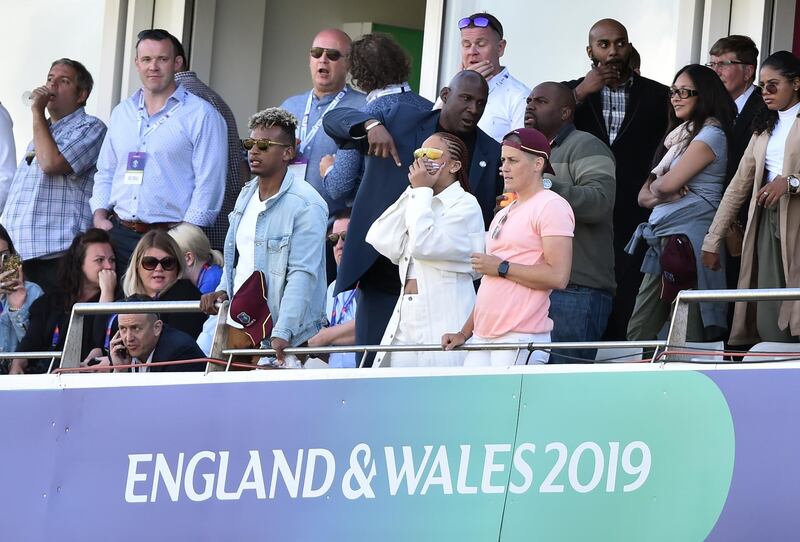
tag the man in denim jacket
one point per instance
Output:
(277, 226)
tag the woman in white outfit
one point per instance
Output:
(429, 232)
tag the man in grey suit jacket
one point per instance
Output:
(389, 139)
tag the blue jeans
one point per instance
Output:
(579, 314)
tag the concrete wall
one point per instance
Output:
(549, 43)
(35, 33)
(290, 28)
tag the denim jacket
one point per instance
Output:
(290, 251)
(14, 324)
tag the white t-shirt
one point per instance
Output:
(505, 108)
(776, 147)
(246, 245)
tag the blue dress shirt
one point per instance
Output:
(322, 144)
(187, 157)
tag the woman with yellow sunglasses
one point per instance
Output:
(430, 232)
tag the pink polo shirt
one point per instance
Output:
(503, 305)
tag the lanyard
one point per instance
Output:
(391, 89)
(498, 82)
(56, 337)
(153, 127)
(107, 342)
(200, 276)
(336, 321)
(307, 137)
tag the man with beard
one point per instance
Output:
(389, 139)
(584, 176)
(628, 113)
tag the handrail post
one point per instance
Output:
(678, 326)
(220, 341)
(71, 355)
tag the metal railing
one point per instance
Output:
(71, 355)
(676, 338)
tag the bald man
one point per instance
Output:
(584, 176)
(328, 63)
(389, 139)
(628, 113)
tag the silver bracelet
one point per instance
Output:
(372, 125)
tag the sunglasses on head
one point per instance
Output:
(479, 22)
(262, 144)
(334, 237)
(167, 264)
(332, 54)
(427, 152)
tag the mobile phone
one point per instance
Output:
(10, 262)
(94, 361)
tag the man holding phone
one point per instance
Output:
(143, 339)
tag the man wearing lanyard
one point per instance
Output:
(328, 64)
(482, 45)
(164, 158)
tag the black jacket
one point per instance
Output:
(641, 134)
(383, 182)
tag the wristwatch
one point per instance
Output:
(502, 269)
(792, 184)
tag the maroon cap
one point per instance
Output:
(678, 267)
(532, 141)
(249, 307)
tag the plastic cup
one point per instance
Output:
(477, 242)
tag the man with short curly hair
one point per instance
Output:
(278, 227)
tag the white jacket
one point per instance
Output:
(436, 232)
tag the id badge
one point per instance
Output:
(298, 167)
(134, 174)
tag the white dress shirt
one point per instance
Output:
(8, 154)
(505, 108)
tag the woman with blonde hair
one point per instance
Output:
(203, 265)
(155, 270)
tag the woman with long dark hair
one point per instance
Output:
(684, 191)
(429, 232)
(87, 275)
(768, 173)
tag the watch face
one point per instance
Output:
(794, 182)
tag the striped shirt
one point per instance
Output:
(235, 178)
(184, 173)
(615, 102)
(44, 212)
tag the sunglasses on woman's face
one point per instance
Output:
(427, 152)
(262, 144)
(332, 54)
(169, 263)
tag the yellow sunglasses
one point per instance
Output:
(427, 152)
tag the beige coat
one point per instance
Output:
(752, 166)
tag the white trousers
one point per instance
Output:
(505, 358)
